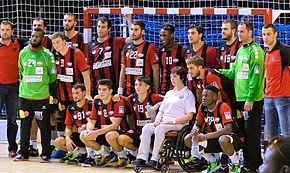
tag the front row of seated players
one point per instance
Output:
(175, 111)
(212, 133)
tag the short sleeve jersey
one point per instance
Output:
(102, 113)
(211, 119)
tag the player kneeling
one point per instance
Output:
(106, 116)
(139, 108)
(75, 121)
(213, 132)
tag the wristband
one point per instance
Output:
(120, 91)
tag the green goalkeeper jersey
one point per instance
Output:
(248, 73)
(38, 71)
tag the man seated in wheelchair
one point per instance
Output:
(140, 107)
(175, 111)
(212, 133)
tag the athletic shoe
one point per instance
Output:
(33, 152)
(235, 168)
(224, 168)
(89, 162)
(106, 159)
(192, 161)
(73, 159)
(211, 168)
(66, 157)
(44, 159)
(12, 153)
(139, 162)
(58, 154)
(19, 158)
(122, 162)
(98, 158)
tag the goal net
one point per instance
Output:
(209, 18)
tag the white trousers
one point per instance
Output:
(147, 131)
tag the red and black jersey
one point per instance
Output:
(46, 42)
(211, 60)
(69, 68)
(209, 54)
(228, 54)
(76, 116)
(76, 41)
(215, 119)
(102, 113)
(138, 60)
(136, 110)
(225, 86)
(9, 61)
(168, 60)
(277, 64)
(105, 61)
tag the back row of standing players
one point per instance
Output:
(113, 59)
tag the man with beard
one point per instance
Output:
(37, 68)
(46, 42)
(171, 54)
(139, 59)
(199, 48)
(229, 50)
(9, 51)
(41, 23)
(74, 38)
(248, 74)
(105, 54)
(72, 68)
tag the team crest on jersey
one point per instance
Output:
(163, 49)
(175, 60)
(257, 70)
(99, 112)
(72, 108)
(228, 115)
(108, 48)
(69, 64)
(57, 62)
(156, 57)
(121, 109)
(140, 55)
(217, 119)
(75, 45)
(94, 52)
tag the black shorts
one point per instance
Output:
(135, 136)
(213, 145)
(101, 139)
(75, 137)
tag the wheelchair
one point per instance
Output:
(174, 148)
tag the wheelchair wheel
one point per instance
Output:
(137, 169)
(165, 169)
(166, 152)
(183, 152)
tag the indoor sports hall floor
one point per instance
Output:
(33, 166)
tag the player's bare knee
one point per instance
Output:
(112, 136)
(83, 136)
(224, 141)
(123, 140)
(59, 142)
